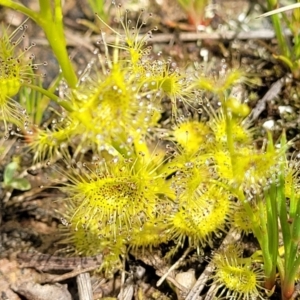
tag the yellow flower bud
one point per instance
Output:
(237, 108)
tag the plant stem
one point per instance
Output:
(52, 24)
(237, 190)
(270, 241)
(65, 104)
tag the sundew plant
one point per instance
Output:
(147, 183)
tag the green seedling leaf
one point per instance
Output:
(21, 184)
(9, 172)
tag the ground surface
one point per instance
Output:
(29, 219)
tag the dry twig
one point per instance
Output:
(84, 286)
(233, 236)
(46, 262)
(174, 267)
